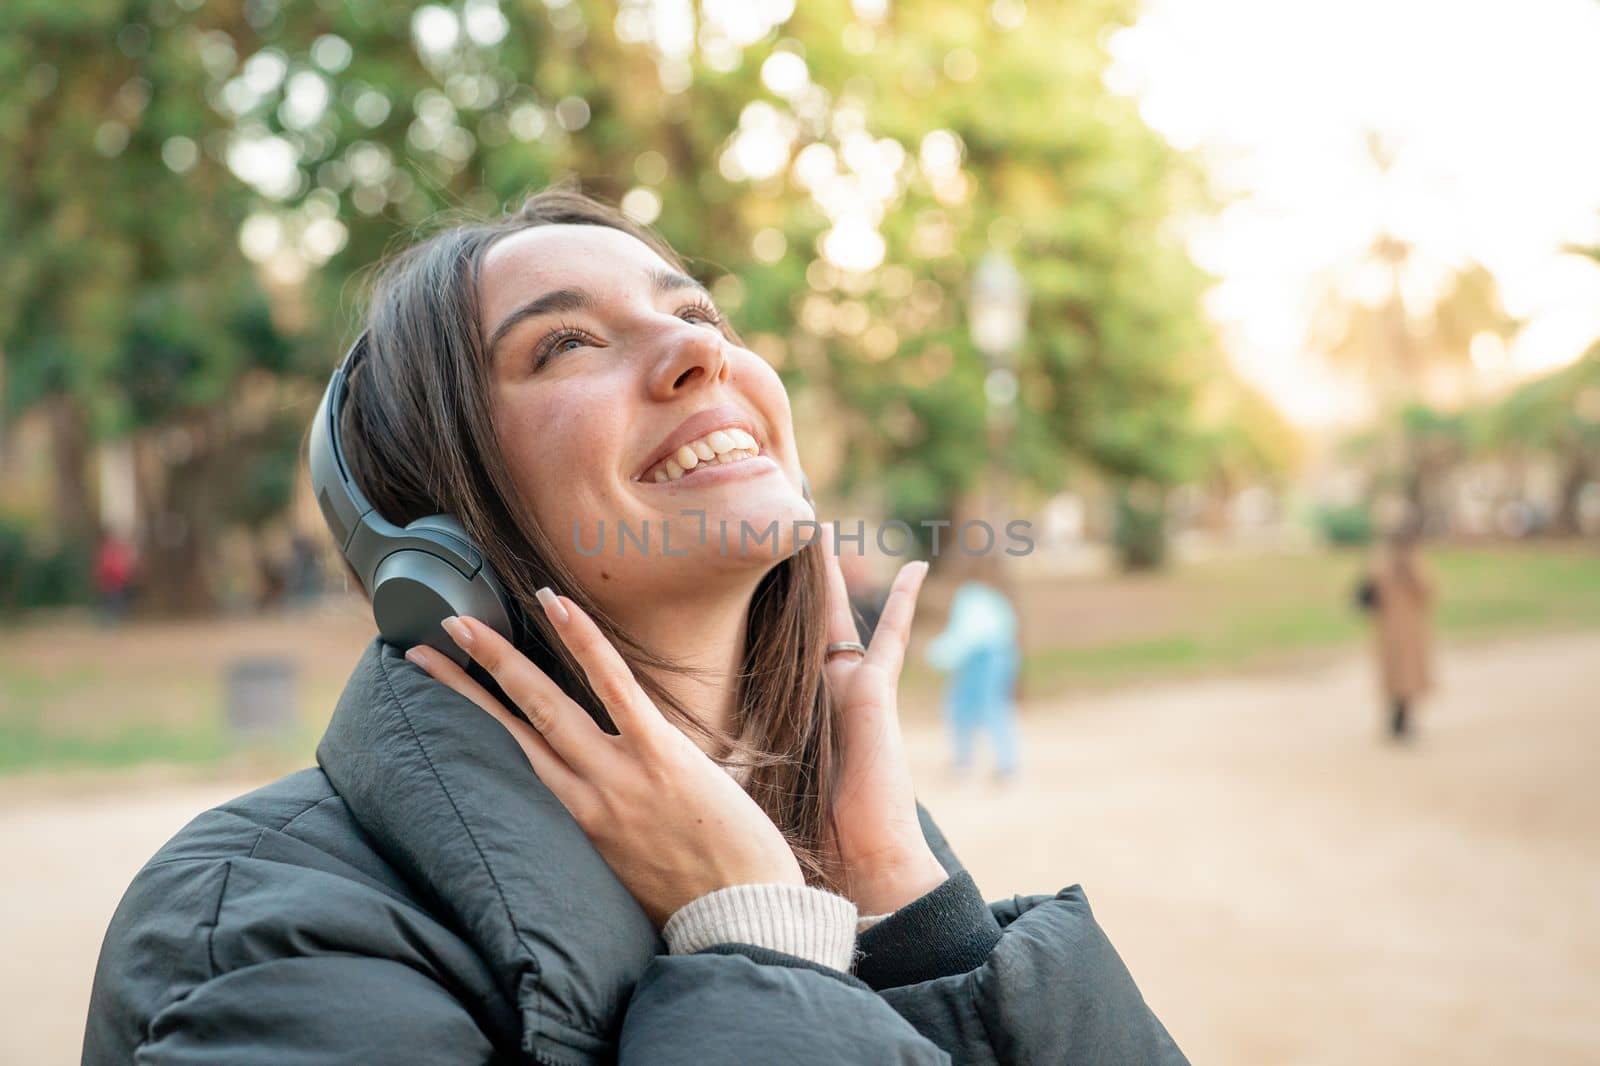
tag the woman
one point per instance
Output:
(577, 875)
(1399, 593)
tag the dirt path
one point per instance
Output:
(1285, 888)
(1288, 890)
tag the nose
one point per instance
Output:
(692, 354)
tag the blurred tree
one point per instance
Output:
(1404, 352)
(1243, 441)
(126, 307)
(1401, 350)
(1557, 414)
(835, 173)
(1436, 444)
(835, 168)
(1012, 141)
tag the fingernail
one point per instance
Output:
(458, 632)
(553, 607)
(418, 656)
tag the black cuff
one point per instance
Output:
(948, 931)
(768, 957)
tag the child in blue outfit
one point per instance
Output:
(978, 648)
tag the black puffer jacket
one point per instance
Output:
(421, 898)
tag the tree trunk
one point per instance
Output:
(1568, 521)
(77, 519)
(175, 553)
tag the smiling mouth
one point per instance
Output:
(720, 447)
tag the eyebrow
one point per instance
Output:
(569, 300)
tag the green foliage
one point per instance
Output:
(1344, 527)
(14, 559)
(125, 298)
(136, 174)
(257, 482)
(41, 575)
(1140, 528)
(1555, 412)
(1073, 184)
(107, 244)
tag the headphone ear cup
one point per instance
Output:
(413, 592)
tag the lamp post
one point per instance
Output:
(998, 320)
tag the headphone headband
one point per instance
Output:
(341, 499)
(416, 576)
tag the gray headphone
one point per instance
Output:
(416, 576)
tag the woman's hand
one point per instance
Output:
(669, 821)
(886, 859)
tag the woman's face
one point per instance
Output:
(610, 374)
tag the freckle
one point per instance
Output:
(604, 576)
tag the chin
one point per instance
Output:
(758, 512)
(751, 509)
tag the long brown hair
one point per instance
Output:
(419, 435)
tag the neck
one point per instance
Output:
(703, 629)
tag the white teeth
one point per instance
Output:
(714, 449)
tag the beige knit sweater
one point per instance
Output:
(809, 923)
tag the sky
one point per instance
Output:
(1492, 108)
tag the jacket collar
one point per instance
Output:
(448, 798)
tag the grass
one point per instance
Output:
(27, 742)
(1250, 614)
(76, 697)
(175, 721)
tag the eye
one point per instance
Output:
(559, 342)
(700, 311)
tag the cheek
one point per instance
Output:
(755, 377)
(561, 449)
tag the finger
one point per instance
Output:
(565, 725)
(551, 768)
(607, 672)
(888, 648)
(841, 619)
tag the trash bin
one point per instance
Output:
(261, 697)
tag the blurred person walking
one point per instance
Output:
(1398, 592)
(979, 650)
